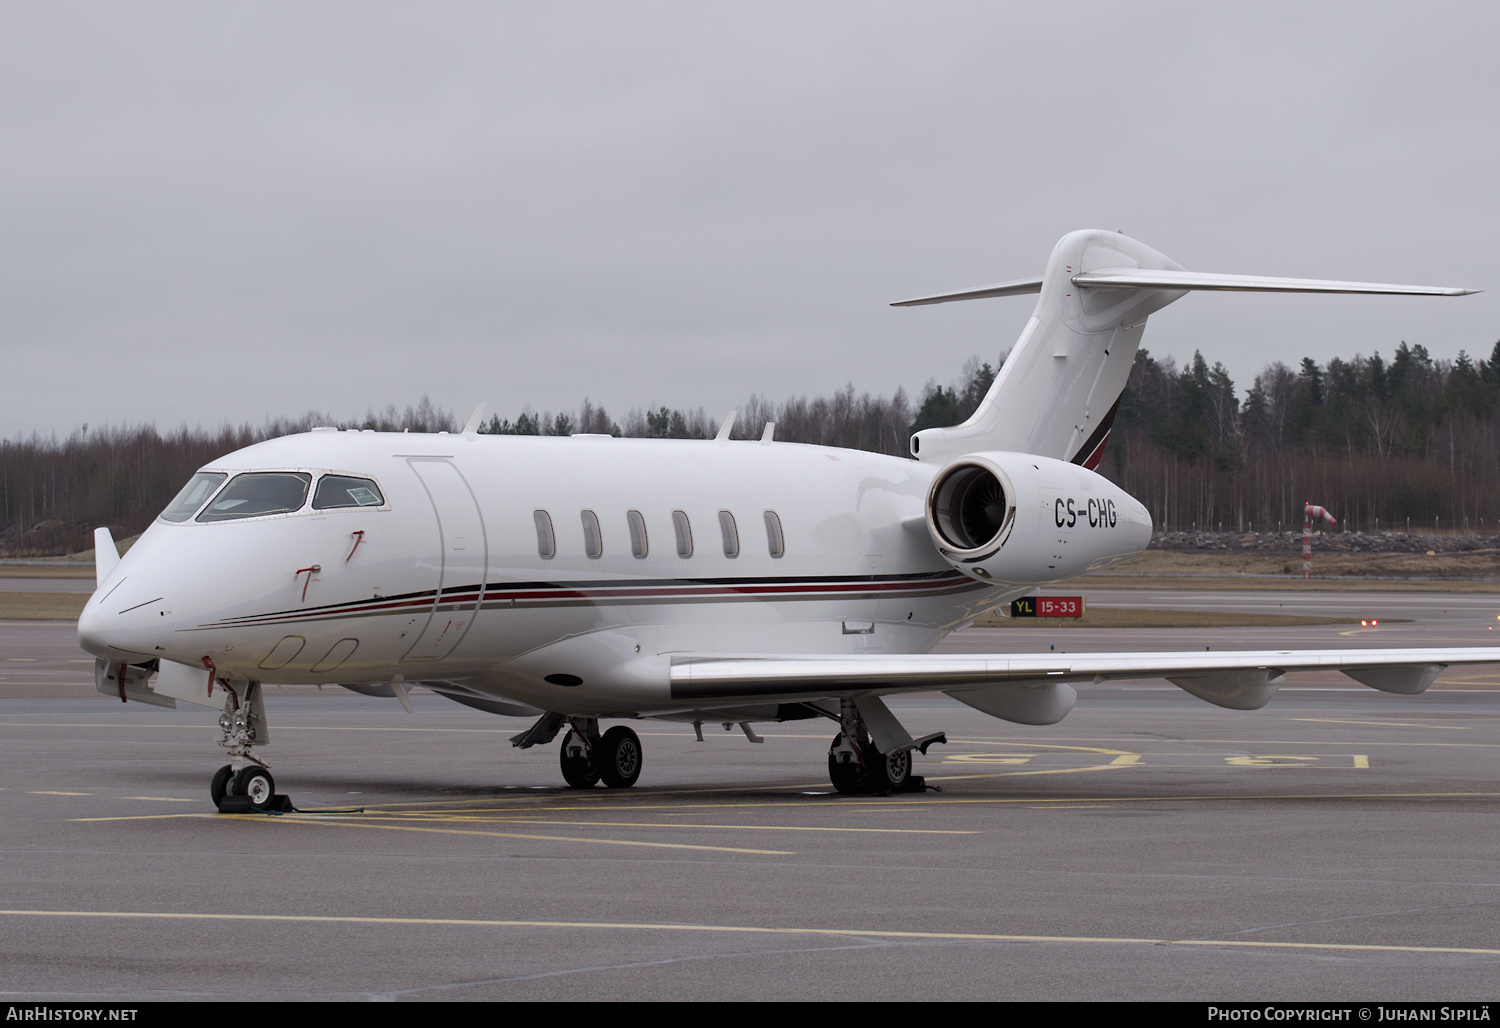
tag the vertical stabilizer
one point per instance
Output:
(1058, 392)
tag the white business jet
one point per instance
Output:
(583, 579)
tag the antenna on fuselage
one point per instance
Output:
(723, 436)
(471, 427)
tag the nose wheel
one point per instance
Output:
(219, 787)
(253, 782)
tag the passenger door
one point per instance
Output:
(463, 556)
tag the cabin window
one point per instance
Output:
(199, 488)
(730, 533)
(341, 491)
(546, 542)
(638, 545)
(775, 541)
(684, 533)
(259, 494)
(593, 539)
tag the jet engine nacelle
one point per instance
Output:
(1023, 519)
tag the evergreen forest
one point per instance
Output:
(1405, 443)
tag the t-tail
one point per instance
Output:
(1060, 388)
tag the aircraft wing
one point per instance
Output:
(1240, 679)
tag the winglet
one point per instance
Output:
(471, 427)
(106, 555)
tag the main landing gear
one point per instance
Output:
(588, 758)
(856, 767)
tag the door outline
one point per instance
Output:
(443, 543)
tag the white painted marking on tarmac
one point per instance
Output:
(1382, 724)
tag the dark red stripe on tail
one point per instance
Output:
(1092, 450)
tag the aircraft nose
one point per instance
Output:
(126, 623)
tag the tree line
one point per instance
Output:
(1412, 442)
(1382, 444)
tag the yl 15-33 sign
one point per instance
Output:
(1047, 607)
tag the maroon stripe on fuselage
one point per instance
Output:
(577, 594)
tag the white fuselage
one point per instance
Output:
(447, 579)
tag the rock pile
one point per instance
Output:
(1323, 542)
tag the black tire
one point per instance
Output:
(889, 772)
(219, 787)
(848, 777)
(255, 784)
(618, 757)
(578, 772)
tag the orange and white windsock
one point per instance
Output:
(1309, 512)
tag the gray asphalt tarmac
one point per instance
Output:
(1338, 844)
(46, 585)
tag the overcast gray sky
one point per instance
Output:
(225, 211)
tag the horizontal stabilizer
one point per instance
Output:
(1020, 287)
(1142, 278)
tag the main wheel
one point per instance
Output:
(578, 772)
(848, 777)
(890, 772)
(219, 787)
(255, 784)
(618, 757)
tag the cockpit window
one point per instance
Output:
(340, 491)
(199, 488)
(259, 493)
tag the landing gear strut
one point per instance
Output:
(588, 758)
(243, 724)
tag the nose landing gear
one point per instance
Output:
(246, 780)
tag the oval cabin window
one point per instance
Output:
(775, 541)
(684, 532)
(637, 524)
(593, 539)
(546, 542)
(730, 533)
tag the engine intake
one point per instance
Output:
(972, 509)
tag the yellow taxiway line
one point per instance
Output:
(508, 819)
(639, 926)
(887, 803)
(357, 823)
